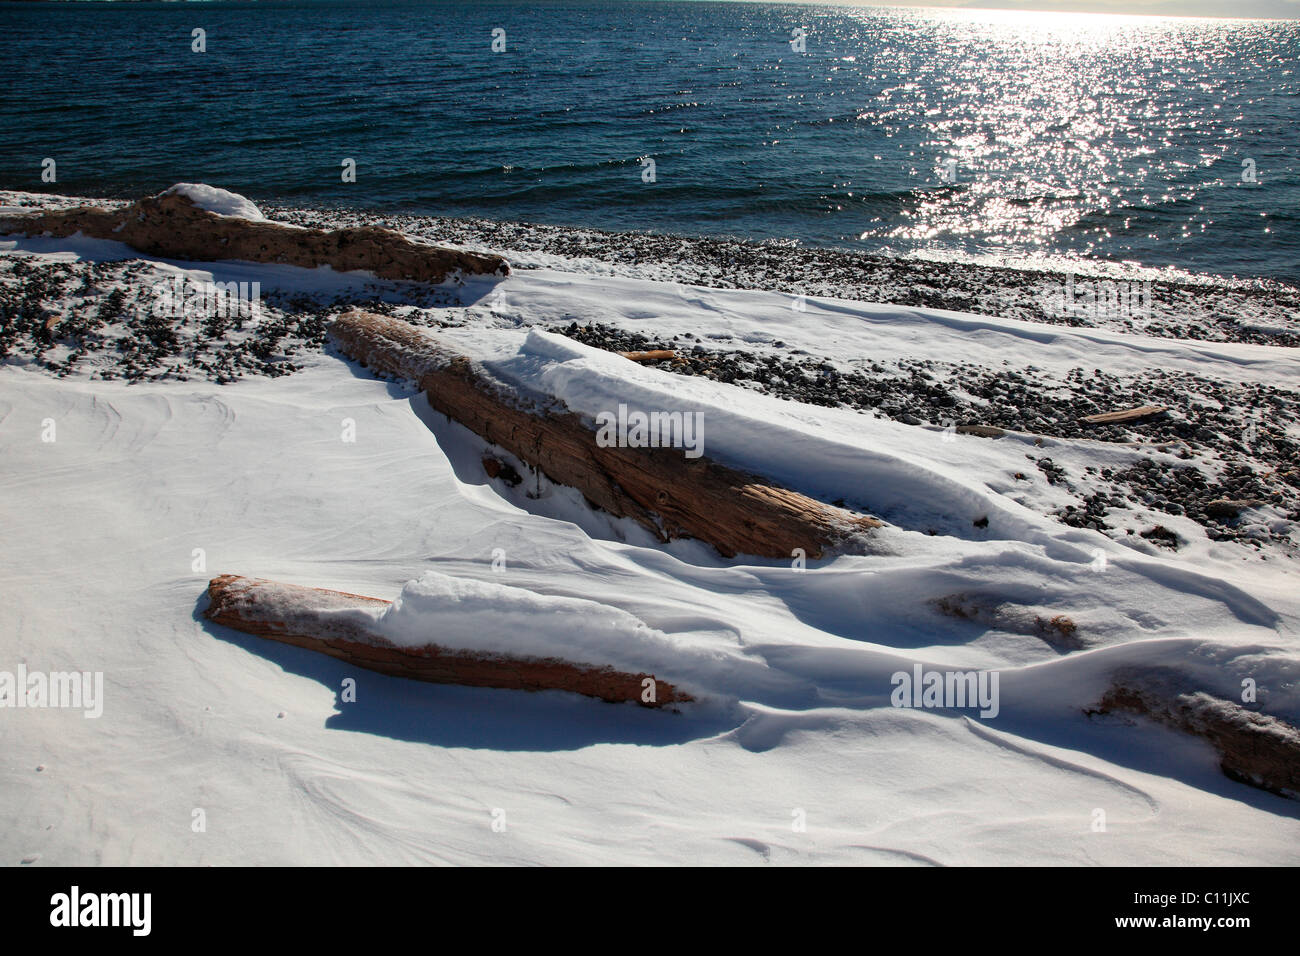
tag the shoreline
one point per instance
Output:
(1205, 307)
(1259, 311)
(1098, 567)
(1240, 432)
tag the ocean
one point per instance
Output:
(959, 136)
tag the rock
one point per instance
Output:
(496, 468)
(1162, 536)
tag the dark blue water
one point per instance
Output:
(1073, 135)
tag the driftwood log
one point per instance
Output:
(1126, 415)
(660, 488)
(653, 355)
(1254, 748)
(308, 617)
(981, 431)
(171, 226)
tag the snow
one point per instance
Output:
(219, 201)
(100, 573)
(487, 616)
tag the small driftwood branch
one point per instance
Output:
(1127, 415)
(654, 355)
(981, 431)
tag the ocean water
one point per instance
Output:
(967, 136)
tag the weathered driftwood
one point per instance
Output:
(1057, 631)
(308, 617)
(654, 355)
(169, 225)
(1126, 415)
(1226, 509)
(981, 431)
(668, 493)
(1254, 748)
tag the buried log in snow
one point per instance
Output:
(981, 431)
(670, 494)
(1254, 748)
(173, 226)
(317, 619)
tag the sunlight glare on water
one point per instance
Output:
(1069, 135)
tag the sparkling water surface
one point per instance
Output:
(1128, 139)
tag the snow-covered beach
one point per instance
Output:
(139, 461)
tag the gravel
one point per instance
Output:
(1245, 428)
(1236, 439)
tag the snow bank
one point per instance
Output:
(474, 615)
(882, 467)
(255, 476)
(219, 201)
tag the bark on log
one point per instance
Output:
(308, 617)
(1254, 748)
(671, 495)
(170, 226)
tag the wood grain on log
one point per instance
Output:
(169, 225)
(660, 488)
(1127, 415)
(308, 617)
(654, 355)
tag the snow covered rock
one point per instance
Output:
(222, 202)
